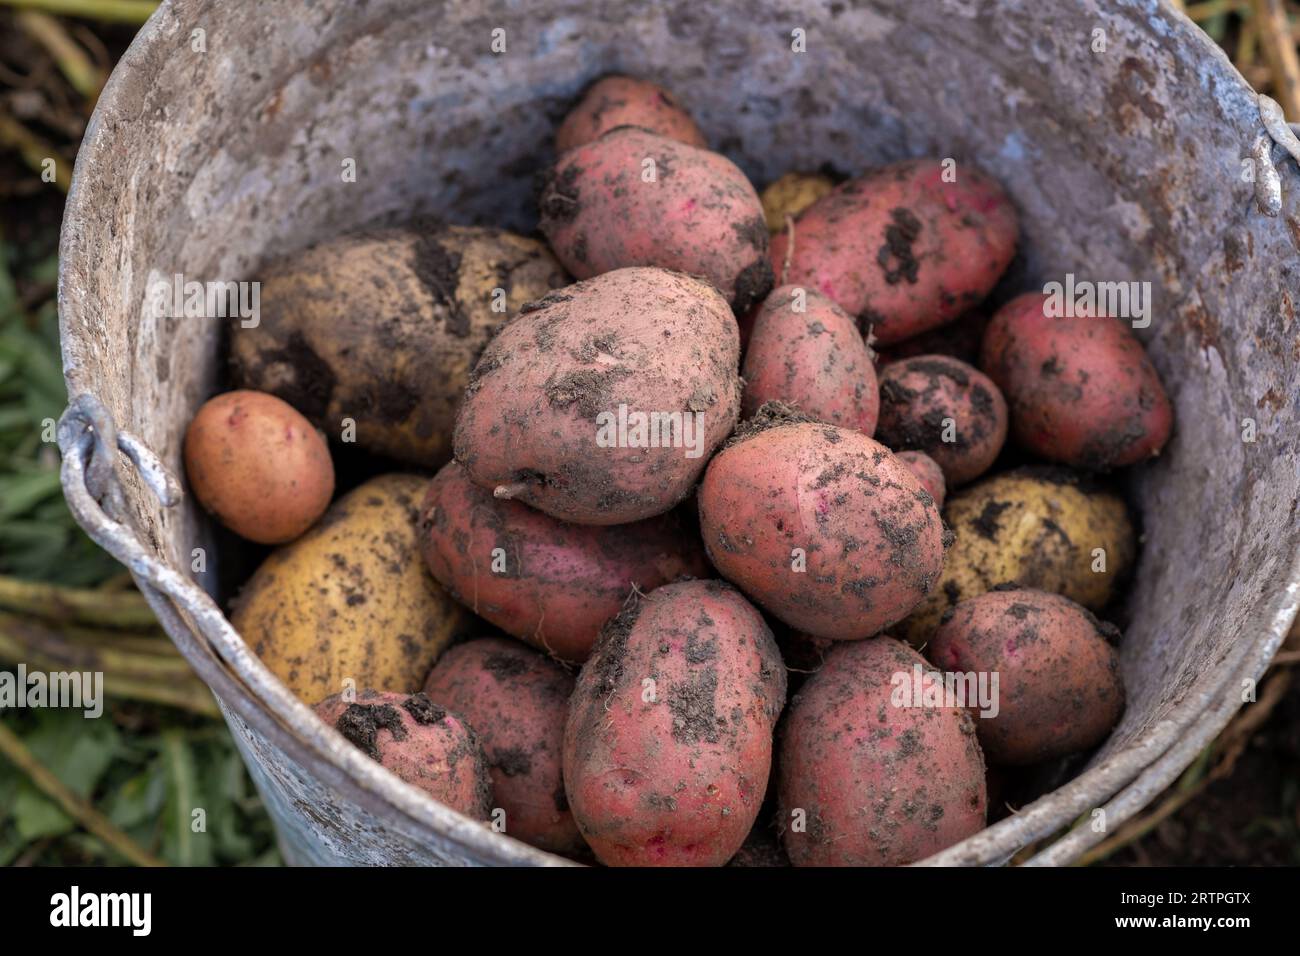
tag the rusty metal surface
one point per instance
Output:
(1125, 164)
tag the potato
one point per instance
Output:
(1040, 527)
(614, 101)
(821, 526)
(791, 195)
(901, 249)
(868, 777)
(668, 743)
(383, 327)
(1081, 389)
(351, 599)
(1059, 686)
(517, 700)
(605, 206)
(602, 403)
(258, 466)
(945, 408)
(546, 582)
(805, 352)
(959, 339)
(419, 741)
(927, 472)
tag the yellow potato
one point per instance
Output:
(792, 194)
(1037, 527)
(351, 599)
(372, 335)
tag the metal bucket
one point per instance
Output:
(1122, 133)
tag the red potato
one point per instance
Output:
(959, 339)
(422, 743)
(1081, 389)
(632, 198)
(668, 744)
(259, 466)
(1060, 690)
(518, 701)
(806, 352)
(945, 408)
(614, 101)
(602, 402)
(546, 582)
(901, 249)
(869, 777)
(927, 472)
(821, 526)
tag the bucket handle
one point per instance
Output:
(86, 430)
(91, 444)
(1276, 132)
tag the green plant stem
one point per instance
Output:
(74, 806)
(33, 149)
(117, 609)
(111, 11)
(86, 78)
(134, 668)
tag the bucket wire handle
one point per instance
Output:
(87, 423)
(91, 446)
(1276, 132)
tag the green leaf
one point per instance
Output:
(270, 857)
(181, 845)
(8, 293)
(225, 776)
(13, 418)
(36, 816)
(140, 799)
(77, 750)
(11, 844)
(20, 493)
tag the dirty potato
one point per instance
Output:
(421, 742)
(602, 403)
(950, 410)
(616, 100)
(1059, 685)
(383, 327)
(517, 700)
(351, 599)
(631, 198)
(1039, 527)
(822, 526)
(905, 248)
(545, 581)
(668, 743)
(869, 776)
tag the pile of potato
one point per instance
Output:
(582, 628)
